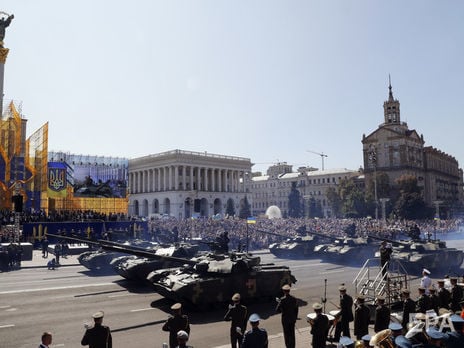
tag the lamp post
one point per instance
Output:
(383, 202)
(373, 160)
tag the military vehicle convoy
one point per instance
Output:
(298, 247)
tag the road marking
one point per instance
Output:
(55, 288)
(121, 295)
(11, 309)
(331, 272)
(3, 307)
(141, 309)
(6, 326)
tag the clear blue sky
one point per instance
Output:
(267, 80)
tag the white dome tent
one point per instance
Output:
(273, 212)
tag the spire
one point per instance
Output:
(390, 95)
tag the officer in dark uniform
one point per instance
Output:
(434, 300)
(361, 318)
(99, 336)
(346, 314)
(255, 337)
(444, 296)
(409, 306)
(176, 323)
(237, 315)
(385, 251)
(319, 327)
(456, 295)
(423, 302)
(288, 306)
(382, 315)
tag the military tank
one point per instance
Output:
(416, 254)
(100, 260)
(213, 278)
(137, 268)
(298, 247)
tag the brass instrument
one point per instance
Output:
(359, 344)
(382, 339)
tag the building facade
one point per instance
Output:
(185, 184)
(274, 188)
(396, 150)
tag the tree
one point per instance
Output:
(353, 200)
(334, 201)
(294, 202)
(315, 208)
(410, 203)
(230, 208)
(245, 209)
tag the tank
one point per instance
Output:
(298, 247)
(414, 255)
(212, 279)
(137, 268)
(352, 251)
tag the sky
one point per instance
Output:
(273, 81)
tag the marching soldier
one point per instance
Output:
(409, 306)
(346, 313)
(99, 336)
(382, 315)
(176, 323)
(361, 318)
(319, 327)
(434, 300)
(456, 295)
(237, 315)
(423, 303)
(256, 337)
(444, 296)
(288, 306)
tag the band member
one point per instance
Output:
(346, 314)
(288, 306)
(444, 296)
(382, 315)
(361, 318)
(409, 306)
(319, 327)
(237, 315)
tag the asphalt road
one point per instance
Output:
(34, 300)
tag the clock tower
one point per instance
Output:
(391, 108)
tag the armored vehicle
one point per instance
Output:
(347, 250)
(298, 247)
(417, 254)
(137, 268)
(214, 278)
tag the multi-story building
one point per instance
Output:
(274, 188)
(183, 184)
(396, 150)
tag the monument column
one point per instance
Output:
(4, 23)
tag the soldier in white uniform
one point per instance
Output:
(426, 282)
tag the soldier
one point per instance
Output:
(99, 336)
(426, 282)
(434, 300)
(319, 327)
(444, 296)
(409, 306)
(46, 340)
(237, 315)
(361, 318)
(385, 254)
(423, 303)
(176, 323)
(256, 337)
(182, 338)
(456, 295)
(346, 313)
(288, 306)
(382, 315)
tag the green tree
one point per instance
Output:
(334, 201)
(294, 202)
(410, 203)
(245, 209)
(353, 200)
(230, 208)
(315, 208)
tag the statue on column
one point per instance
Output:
(4, 23)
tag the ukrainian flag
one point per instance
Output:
(251, 220)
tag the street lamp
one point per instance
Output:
(372, 157)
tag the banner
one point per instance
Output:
(56, 179)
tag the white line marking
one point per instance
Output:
(331, 272)
(5, 326)
(3, 307)
(120, 295)
(141, 309)
(54, 288)
(11, 309)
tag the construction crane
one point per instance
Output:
(320, 154)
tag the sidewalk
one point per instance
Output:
(39, 262)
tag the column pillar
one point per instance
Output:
(213, 179)
(206, 179)
(191, 178)
(176, 178)
(184, 178)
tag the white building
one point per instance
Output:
(274, 188)
(183, 184)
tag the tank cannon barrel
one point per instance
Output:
(131, 250)
(392, 241)
(333, 238)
